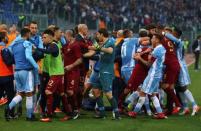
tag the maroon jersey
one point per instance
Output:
(71, 53)
(139, 72)
(170, 55)
(172, 66)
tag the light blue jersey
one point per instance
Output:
(151, 83)
(128, 48)
(184, 78)
(37, 41)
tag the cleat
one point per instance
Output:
(57, 110)
(132, 114)
(176, 110)
(3, 101)
(6, 113)
(75, 115)
(46, 119)
(195, 110)
(160, 116)
(65, 118)
(116, 116)
(149, 113)
(185, 112)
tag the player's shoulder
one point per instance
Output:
(27, 43)
(110, 42)
(159, 50)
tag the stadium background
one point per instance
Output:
(117, 14)
(114, 14)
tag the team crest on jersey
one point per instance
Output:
(68, 49)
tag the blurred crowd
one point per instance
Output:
(119, 13)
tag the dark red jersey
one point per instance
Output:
(71, 53)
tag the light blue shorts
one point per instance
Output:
(184, 78)
(150, 85)
(24, 81)
(126, 74)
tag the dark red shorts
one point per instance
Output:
(171, 73)
(137, 77)
(56, 84)
(72, 80)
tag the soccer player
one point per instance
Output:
(151, 84)
(170, 76)
(72, 59)
(36, 40)
(138, 75)
(24, 68)
(184, 79)
(106, 73)
(56, 73)
(129, 47)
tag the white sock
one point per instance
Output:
(15, 101)
(139, 105)
(146, 103)
(29, 106)
(189, 96)
(183, 100)
(161, 96)
(156, 104)
(133, 97)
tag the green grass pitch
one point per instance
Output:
(88, 123)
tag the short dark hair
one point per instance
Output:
(126, 33)
(2, 36)
(24, 31)
(33, 22)
(56, 28)
(177, 30)
(49, 32)
(150, 26)
(143, 33)
(158, 36)
(104, 32)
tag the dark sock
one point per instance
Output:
(100, 104)
(175, 99)
(169, 104)
(49, 104)
(121, 99)
(65, 104)
(113, 103)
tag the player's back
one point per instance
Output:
(129, 47)
(170, 56)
